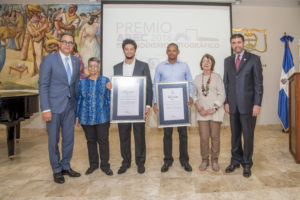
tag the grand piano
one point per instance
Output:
(14, 108)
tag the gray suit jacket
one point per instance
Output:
(54, 88)
(243, 88)
(140, 69)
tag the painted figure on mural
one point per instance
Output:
(4, 18)
(3, 32)
(51, 46)
(98, 33)
(36, 29)
(82, 67)
(87, 40)
(18, 21)
(83, 20)
(67, 22)
(31, 31)
(11, 20)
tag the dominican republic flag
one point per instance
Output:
(287, 70)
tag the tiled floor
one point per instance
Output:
(275, 175)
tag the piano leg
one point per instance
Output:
(11, 141)
(18, 132)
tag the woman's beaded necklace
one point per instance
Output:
(205, 88)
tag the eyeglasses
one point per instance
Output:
(64, 42)
(94, 66)
(207, 61)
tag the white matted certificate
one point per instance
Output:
(128, 99)
(173, 101)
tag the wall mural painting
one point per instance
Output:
(29, 32)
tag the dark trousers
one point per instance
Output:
(65, 122)
(242, 123)
(184, 157)
(139, 142)
(97, 134)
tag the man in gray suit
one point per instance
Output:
(243, 82)
(59, 75)
(133, 67)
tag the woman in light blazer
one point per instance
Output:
(209, 97)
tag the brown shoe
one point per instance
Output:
(203, 165)
(215, 166)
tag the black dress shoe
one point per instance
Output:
(231, 168)
(108, 171)
(70, 173)
(247, 172)
(123, 169)
(187, 167)
(58, 178)
(165, 167)
(90, 170)
(141, 169)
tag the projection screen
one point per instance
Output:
(196, 28)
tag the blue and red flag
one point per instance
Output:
(287, 70)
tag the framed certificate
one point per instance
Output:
(172, 99)
(128, 99)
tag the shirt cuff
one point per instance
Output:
(46, 110)
(217, 103)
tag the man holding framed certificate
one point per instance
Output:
(128, 68)
(173, 70)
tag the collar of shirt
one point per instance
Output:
(241, 55)
(128, 68)
(168, 63)
(63, 57)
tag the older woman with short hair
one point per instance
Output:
(93, 113)
(209, 96)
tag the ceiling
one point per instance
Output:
(288, 3)
(280, 3)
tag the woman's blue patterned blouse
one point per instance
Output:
(93, 101)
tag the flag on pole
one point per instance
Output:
(287, 70)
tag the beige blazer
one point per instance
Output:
(216, 95)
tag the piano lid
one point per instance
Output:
(16, 94)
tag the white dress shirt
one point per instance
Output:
(128, 68)
(241, 56)
(63, 57)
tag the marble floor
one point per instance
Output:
(275, 175)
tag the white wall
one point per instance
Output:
(276, 20)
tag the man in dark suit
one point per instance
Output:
(59, 75)
(133, 67)
(243, 82)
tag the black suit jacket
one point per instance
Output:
(140, 69)
(244, 88)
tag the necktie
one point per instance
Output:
(68, 68)
(237, 62)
